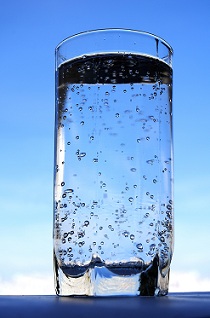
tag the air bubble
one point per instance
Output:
(62, 183)
(150, 162)
(69, 191)
(82, 154)
(140, 247)
(138, 140)
(125, 233)
(133, 169)
(86, 223)
(82, 123)
(154, 181)
(130, 199)
(153, 207)
(132, 237)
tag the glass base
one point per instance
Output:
(111, 281)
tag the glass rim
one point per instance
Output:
(140, 32)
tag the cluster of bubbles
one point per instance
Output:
(78, 239)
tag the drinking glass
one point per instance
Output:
(113, 177)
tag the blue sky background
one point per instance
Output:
(29, 32)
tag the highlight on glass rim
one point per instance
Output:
(113, 179)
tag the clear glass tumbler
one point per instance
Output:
(113, 210)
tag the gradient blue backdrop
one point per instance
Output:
(29, 32)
